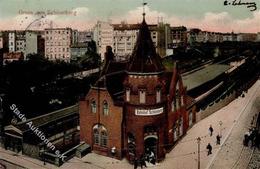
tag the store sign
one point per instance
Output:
(148, 112)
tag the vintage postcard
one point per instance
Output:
(122, 84)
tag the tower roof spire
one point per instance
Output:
(144, 58)
(144, 3)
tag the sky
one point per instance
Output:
(209, 15)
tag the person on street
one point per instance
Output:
(246, 138)
(142, 161)
(209, 147)
(211, 130)
(135, 163)
(218, 139)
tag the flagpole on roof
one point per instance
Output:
(144, 3)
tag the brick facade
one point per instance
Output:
(112, 122)
(146, 106)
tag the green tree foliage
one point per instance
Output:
(91, 59)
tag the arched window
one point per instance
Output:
(190, 118)
(142, 94)
(131, 144)
(173, 105)
(182, 100)
(100, 135)
(177, 96)
(105, 108)
(96, 135)
(103, 138)
(175, 132)
(93, 106)
(181, 126)
(127, 94)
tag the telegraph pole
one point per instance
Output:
(198, 141)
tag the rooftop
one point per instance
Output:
(144, 58)
(201, 76)
(47, 118)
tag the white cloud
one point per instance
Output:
(76, 18)
(219, 22)
(135, 16)
(80, 19)
(81, 11)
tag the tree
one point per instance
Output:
(91, 59)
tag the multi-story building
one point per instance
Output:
(1, 40)
(219, 37)
(4, 40)
(103, 36)
(232, 37)
(78, 50)
(125, 36)
(20, 41)
(75, 35)
(163, 39)
(85, 36)
(247, 37)
(179, 36)
(16, 41)
(11, 41)
(41, 45)
(31, 43)
(26, 42)
(57, 43)
(258, 37)
(192, 35)
(122, 37)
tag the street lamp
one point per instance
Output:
(198, 141)
(220, 128)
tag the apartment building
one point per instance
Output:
(11, 41)
(1, 41)
(85, 36)
(125, 36)
(103, 36)
(57, 43)
(179, 36)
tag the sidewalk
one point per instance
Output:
(235, 118)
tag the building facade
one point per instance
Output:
(31, 43)
(78, 50)
(57, 43)
(85, 36)
(40, 137)
(135, 108)
(1, 41)
(125, 36)
(103, 36)
(179, 36)
(11, 41)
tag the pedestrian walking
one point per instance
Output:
(257, 140)
(246, 138)
(135, 163)
(218, 139)
(209, 147)
(142, 161)
(211, 130)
